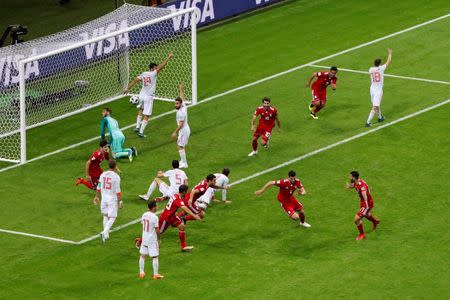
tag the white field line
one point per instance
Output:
(386, 75)
(246, 85)
(239, 181)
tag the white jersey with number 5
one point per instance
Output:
(377, 78)
(176, 178)
(149, 226)
(148, 80)
(109, 185)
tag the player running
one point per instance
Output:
(291, 206)
(366, 203)
(169, 216)
(376, 87)
(151, 238)
(183, 131)
(147, 93)
(319, 89)
(268, 116)
(109, 186)
(176, 176)
(117, 138)
(221, 180)
(93, 169)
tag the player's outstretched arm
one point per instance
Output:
(308, 84)
(252, 124)
(349, 185)
(265, 187)
(164, 63)
(389, 59)
(191, 198)
(160, 174)
(130, 86)
(189, 212)
(218, 187)
(103, 126)
(88, 163)
(181, 92)
(96, 197)
(278, 122)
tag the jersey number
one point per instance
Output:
(376, 77)
(147, 81)
(107, 183)
(178, 179)
(146, 225)
(169, 204)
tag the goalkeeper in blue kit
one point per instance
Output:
(117, 139)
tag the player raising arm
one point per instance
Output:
(291, 206)
(319, 89)
(183, 131)
(268, 116)
(366, 203)
(376, 87)
(147, 93)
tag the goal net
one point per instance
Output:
(66, 73)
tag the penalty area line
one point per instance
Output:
(38, 236)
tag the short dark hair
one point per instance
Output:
(266, 99)
(183, 188)
(152, 65)
(292, 173)
(226, 171)
(178, 99)
(108, 110)
(175, 164)
(152, 204)
(103, 143)
(377, 62)
(210, 177)
(333, 68)
(355, 174)
(112, 164)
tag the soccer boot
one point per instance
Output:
(314, 116)
(253, 153)
(381, 119)
(143, 197)
(311, 108)
(187, 248)
(368, 125)
(141, 135)
(130, 157)
(102, 237)
(266, 146)
(136, 129)
(375, 224)
(158, 276)
(134, 151)
(361, 236)
(141, 275)
(304, 224)
(78, 182)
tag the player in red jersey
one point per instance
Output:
(289, 203)
(319, 89)
(198, 191)
(93, 169)
(169, 216)
(268, 116)
(366, 203)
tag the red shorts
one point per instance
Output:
(264, 132)
(194, 208)
(319, 97)
(365, 210)
(164, 222)
(95, 176)
(291, 206)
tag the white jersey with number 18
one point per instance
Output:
(377, 77)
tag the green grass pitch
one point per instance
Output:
(250, 249)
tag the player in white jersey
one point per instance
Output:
(109, 187)
(376, 87)
(176, 176)
(222, 180)
(183, 131)
(151, 238)
(148, 79)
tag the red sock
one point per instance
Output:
(360, 228)
(255, 145)
(302, 217)
(87, 183)
(189, 218)
(316, 110)
(182, 236)
(372, 219)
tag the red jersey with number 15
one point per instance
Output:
(268, 117)
(361, 186)
(96, 159)
(287, 189)
(323, 80)
(172, 206)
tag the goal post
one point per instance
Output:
(90, 65)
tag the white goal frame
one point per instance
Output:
(21, 68)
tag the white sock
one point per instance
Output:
(379, 113)
(138, 121)
(371, 114)
(141, 264)
(155, 265)
(151, 188)
(108, 226)
(183, 156)
(143, 125)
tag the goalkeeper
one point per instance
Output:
(117, 139)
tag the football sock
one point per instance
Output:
(125, 153)
(141, 265)
(379, 113)
(372, 219)
(189, 218)
(255, 145)
(108, 226)
(151, 188)
(371, 114)
(105, 220)
(183, 156)
(143, 125)
(360, 228)
(182, 236)
(138, 121)
(87, 183)
(316, 110)
(155, 265)
(302, 217)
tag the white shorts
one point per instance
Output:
(146, 105)
(183, 137)
(204, 201)
(151, 250)
(376, 96)
(109, 208)
(165, 190)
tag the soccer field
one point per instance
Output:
(250, 249)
